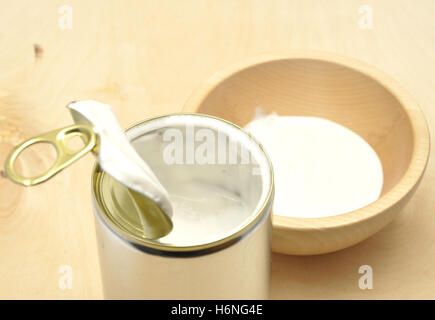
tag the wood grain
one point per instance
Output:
(145, 58)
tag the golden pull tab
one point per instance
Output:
(65, 156)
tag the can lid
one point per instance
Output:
(101, 133)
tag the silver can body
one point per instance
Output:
(240, 271)
(235, 265)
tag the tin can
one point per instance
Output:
(210, 254)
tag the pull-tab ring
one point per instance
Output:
(65, 156)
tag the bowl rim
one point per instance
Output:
(419, 127)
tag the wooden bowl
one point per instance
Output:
(343, 90)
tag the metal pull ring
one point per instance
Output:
(65, 156)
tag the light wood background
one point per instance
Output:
(145, 58)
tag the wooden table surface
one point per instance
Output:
(145, 58)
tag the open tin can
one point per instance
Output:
(215, 244)
(210, 253)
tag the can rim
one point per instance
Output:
(159, 248)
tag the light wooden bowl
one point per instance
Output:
(343, 90)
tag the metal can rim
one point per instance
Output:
(173, 250)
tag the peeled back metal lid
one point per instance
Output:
(97, 125)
